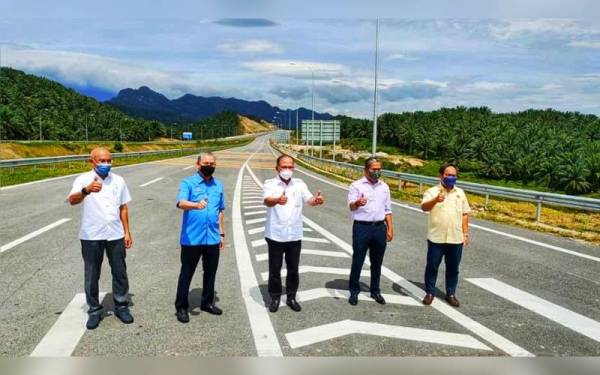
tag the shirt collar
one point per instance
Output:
(365, 180)
(201, 179)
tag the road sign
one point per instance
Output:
(327, 131)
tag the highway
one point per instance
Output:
(522, 293)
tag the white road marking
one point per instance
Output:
(572, 320)
(315, 269)
(252, 201)
(151, 181)
(478, 329)
(257, 243)
(317, 293)
(330, 331)
(254, 221)
(254, 206)
(63, 337)
(256, 230)
(313, 239)
(253, 213)
(31, 235)
(190, 167)
(265, 339)
(325, 253)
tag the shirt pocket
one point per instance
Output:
(198, 193)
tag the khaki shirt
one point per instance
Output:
(445, 219)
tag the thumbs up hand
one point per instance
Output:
(319, 198)
(282, 199)
(95, 186)
(361, 201)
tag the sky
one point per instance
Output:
(508, 56)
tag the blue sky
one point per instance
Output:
(492, 57)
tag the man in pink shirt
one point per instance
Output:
(371, 206)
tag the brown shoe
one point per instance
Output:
(453, 301)
(428, 299)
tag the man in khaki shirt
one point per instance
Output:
(448, 231)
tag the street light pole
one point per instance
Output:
(374, 150)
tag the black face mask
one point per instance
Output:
(207, 170)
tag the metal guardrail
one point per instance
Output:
(538, 197)
(12, 163)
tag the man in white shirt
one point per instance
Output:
(104, 227)
(284, 196)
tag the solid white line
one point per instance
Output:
(190, 167)
(315, 269)
(63, 337)
(471, 225)
(317, 293)
(254, 221)
(253, 213)
(480, 330)
(325, 253)
(265, 339)
(577, 322)
(151, 182)
(31, 235)
(330, 331)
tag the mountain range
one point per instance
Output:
(149, 104)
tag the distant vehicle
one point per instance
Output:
(186, 136)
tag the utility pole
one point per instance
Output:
(374, 150)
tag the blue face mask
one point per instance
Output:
(103, 169)
(449, 181)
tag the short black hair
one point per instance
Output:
(283, 156)
(370, 160)
(446, 165)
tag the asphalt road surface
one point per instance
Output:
(522, 293)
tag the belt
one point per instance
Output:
(374, 223)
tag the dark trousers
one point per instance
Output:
(291, 251)
(190, 256)
(365, 238)
(452, 254)
(93, 255)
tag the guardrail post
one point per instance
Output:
(420, 188)
(538, 210)
(399, 184)
(487, 201)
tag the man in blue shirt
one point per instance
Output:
(202, 234)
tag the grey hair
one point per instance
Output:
(370, 161)
(200, 156)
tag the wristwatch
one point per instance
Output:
(84, 191)
(222, 234)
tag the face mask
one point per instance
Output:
(286, 174)
(103, 169)
(375, 175)
(207, 170)
(449, 181)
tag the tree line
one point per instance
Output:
(558, 150)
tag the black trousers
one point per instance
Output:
(190, 256)
(93, 255)
(291, 251)
(371, 238)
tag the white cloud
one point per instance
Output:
(401, 57)
(486, 86)
(84, 69)
(298, 69)
(250, 46)
(505, 30)
(594, 44)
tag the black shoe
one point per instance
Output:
(353, 300)
(211, 309)
(93, 321)
(274, 305)
(182, 315)
(378, 298)
(124, 315)
(293, 304)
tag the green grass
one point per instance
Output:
(19, 175)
